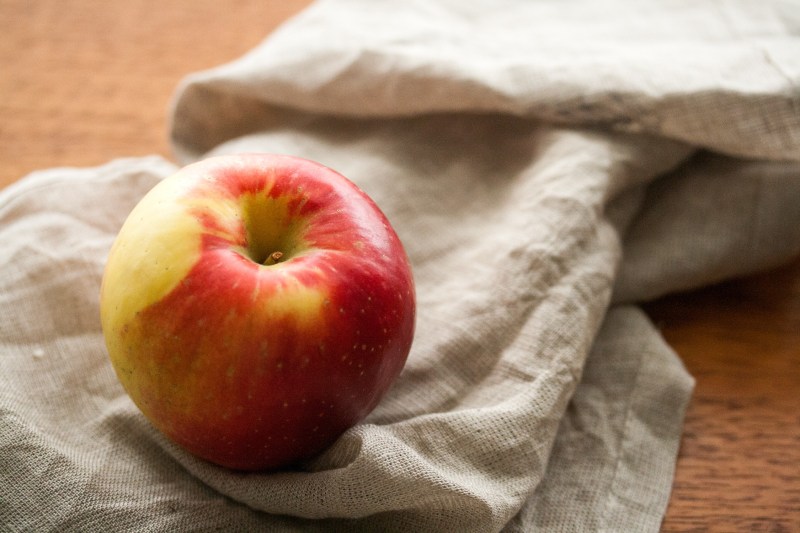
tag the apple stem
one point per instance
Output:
(273, 258)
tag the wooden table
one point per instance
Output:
(85, 81)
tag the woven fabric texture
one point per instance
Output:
(547, 166)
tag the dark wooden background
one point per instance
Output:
(85, 81)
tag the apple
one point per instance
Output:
(255, 307)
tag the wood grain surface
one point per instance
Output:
(86, 81)
(739, 463)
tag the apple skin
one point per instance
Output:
(248, 365)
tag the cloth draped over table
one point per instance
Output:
(548, 165)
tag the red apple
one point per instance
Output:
(255, 307)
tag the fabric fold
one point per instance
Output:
(720, 76)
(547, 168)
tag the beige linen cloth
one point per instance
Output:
(547, 164)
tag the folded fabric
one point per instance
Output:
(546, 165)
